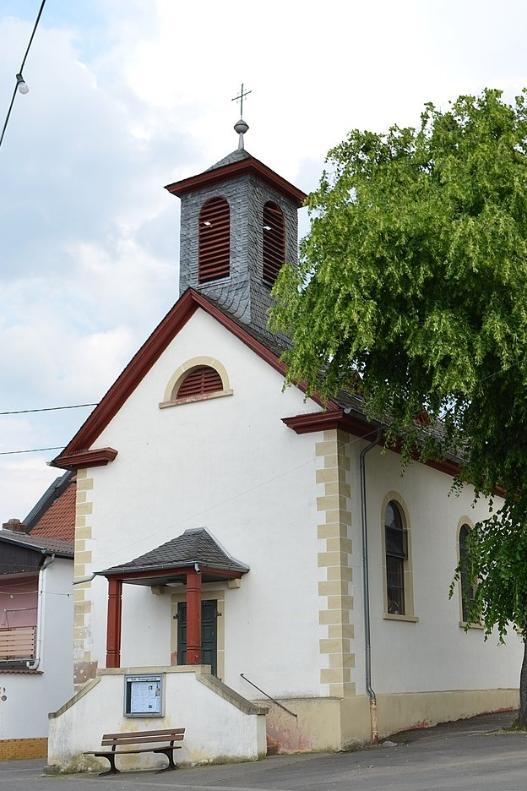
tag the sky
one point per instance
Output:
(127, 96)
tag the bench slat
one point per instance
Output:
(126, 734)
(129, 752)
(142, 740)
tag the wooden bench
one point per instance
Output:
(147, 738)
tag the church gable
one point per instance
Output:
(78, 452)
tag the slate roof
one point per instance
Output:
(192, 546)
(43, 544)
(235, 156)
(275, 343)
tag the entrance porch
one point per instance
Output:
(184, 563)
(219, 723)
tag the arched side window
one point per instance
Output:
(199, 381)
(214, 240)
(467, 591)
(273, 242)
(396, 548)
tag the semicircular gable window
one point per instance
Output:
(201, 380)
(214, 240)
(273, 242)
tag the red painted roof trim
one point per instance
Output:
(130, 377)
(249, 165)
(144, 359)
(323, 421)
(76, 460)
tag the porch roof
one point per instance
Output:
(170, 561)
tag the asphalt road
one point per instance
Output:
(473, 754)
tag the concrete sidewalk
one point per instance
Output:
(472, 754)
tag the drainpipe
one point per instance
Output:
(366, 589)
(40, 613)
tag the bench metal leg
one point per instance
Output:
(169, 752)
(113, 770)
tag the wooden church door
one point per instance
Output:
(209, 615)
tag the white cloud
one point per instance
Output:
(22, 478)
(22, 483)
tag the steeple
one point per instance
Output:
(238, 226)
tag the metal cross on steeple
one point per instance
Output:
(241, 126)
(240, 98)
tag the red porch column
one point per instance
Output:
(193, 617)
(113, 623)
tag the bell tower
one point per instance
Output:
(238, 226)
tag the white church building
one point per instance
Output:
(251, 564)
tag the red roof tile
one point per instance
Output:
(58, 521)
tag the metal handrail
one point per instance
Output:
(292, 713)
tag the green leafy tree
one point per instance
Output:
(412, 291)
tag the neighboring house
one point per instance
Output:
(224, 520)
(36, 620)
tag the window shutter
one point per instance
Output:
(214, 240)
(273, 242)
(200, 381)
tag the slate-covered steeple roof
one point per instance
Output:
(237, 163)
(235, 156)
(191, 547)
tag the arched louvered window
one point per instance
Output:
(214, 240)
(273, 242)
(201, 380)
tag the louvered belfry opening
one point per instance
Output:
(200, 381)
(273, 242)
(214, 240)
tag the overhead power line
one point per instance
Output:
(30, 450)
(44, 409)
(20, 82)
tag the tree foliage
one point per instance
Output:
(412, 289)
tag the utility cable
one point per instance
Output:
(44, 409)
(30, 450)
(43, 3)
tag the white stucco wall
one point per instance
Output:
(232, 466)
(215, 728)
(29, 698)
(435, 653)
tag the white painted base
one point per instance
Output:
(220, 724)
